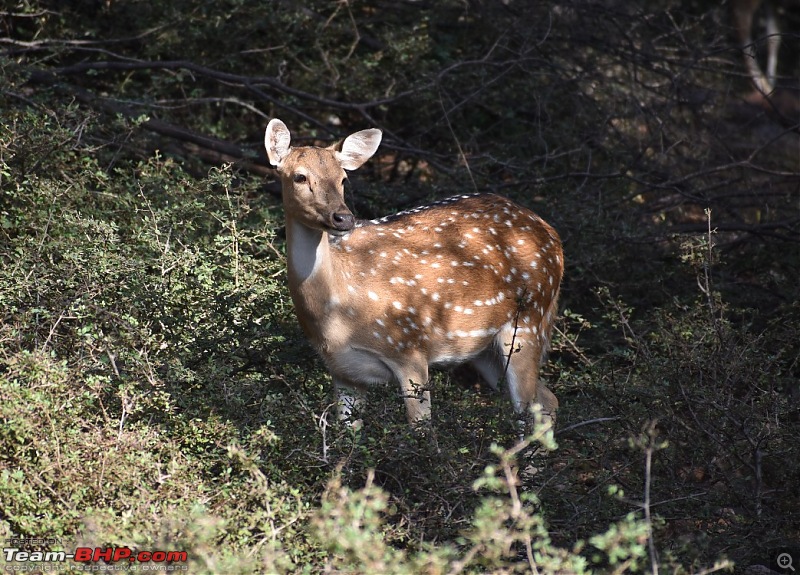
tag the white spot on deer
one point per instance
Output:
(372, 295)
(397, 305)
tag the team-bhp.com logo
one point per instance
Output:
(19, 561)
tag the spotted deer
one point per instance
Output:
(743, 12)
(473, 278)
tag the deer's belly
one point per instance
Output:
(359, 366)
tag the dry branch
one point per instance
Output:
(256, 85)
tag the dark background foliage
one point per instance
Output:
(155, 389)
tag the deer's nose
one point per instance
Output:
(343, 221)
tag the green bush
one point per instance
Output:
(156, 391)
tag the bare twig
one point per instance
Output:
(584, 423)
(651, 547)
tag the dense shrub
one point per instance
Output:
(156, 392)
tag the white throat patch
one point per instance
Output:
(305, 250)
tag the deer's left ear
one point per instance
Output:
(276, 141)
(358, 148)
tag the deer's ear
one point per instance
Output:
(276, 141)
(358, 148)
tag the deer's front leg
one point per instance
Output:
(350, 400)
(417, 396)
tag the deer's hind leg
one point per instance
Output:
(521, 351)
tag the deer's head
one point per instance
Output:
(313, 178)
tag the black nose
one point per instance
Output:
(343, 221)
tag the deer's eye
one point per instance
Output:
(300, 178)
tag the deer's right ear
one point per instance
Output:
(358, 148)
(276, 141)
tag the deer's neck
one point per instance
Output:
(311, 274)
(307, 254)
